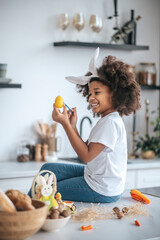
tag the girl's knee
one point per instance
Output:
(46, 166)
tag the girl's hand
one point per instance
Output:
(60, 117)
(73, 117)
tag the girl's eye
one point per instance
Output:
(96, 93)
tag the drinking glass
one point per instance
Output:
(96, 25)
(78, 23)
(63, 23)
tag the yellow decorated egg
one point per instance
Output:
(59, 102)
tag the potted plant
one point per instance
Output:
(150, 145)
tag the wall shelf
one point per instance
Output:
(126, 47)
(146, 87)
(10, 85)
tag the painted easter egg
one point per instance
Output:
(59, 102)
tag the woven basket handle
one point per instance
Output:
(34, 181)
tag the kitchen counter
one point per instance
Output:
(27, 169)
(140, 163)
(112, 229)
(21, 169)
(22, 173)
(19, 175)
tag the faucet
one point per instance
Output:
(81, 124)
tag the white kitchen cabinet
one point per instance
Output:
(15, 175)
(22, 184)
(148, 178)
(143, 173)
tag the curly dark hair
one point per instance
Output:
(118, 77)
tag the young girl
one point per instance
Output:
(112, 92)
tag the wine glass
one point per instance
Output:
(78, 23)
(63, 23)
(96, 25)
(100, 24)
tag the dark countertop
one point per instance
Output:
(153, 191)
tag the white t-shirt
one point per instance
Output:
(106, 173)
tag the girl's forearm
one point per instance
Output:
(76, 131)
(77, 143)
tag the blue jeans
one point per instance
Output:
(72, 185)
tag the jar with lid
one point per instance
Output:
(23, 154)
(146, 74)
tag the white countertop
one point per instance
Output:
(112, 229)
(143, 163)
(21, 169)
(30, 169)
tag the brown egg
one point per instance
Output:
(120, 215)
(55, 215)
(125, 210)
(66, 213)
(116, 209)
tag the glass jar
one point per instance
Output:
(31, 147)
(23, 154)
(146, 74)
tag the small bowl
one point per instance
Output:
(22, 224)
(54, 225)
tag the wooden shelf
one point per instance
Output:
(146, 87)
(126, 47)
(10, 85)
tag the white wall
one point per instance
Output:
(27, 32)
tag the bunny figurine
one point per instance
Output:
(47, 192)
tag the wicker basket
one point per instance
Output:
(20, 225)
(34, 183)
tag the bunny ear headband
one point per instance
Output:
(83, 80)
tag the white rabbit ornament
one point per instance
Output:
(47, 192)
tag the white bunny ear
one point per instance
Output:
(83, 80)
(93, 62)
(43, 181)
(50, 180)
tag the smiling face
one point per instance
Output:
(100, 98)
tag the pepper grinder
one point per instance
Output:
(44, 152)
(38, 155)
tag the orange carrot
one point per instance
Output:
(137, 223)
(84, 228)
(137, 195)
